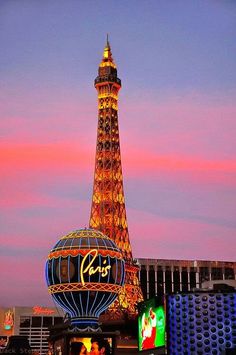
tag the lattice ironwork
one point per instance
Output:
(90, 286)
(108, 212)
(81, 233)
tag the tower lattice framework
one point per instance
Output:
(108, 213)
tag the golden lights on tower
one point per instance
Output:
(108, 212)
(107, 57)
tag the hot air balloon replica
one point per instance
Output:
(85, 272)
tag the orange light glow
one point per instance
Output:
(83, 252)
(8, 320)
(38, 310)
(108, 212)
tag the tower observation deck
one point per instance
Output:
(108, 213)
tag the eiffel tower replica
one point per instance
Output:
(108, 213)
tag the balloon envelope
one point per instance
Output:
(85, 271)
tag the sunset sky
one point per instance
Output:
(177, 117)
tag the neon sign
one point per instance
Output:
(42, 310)
(103, 270)
(8, 320)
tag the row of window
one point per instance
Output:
(217, 271)
(36, 329)
(162, 283)
(39, 322)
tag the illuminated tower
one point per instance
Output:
(108, 212)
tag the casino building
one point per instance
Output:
(33, 322)
(156, 276)
(161, 276)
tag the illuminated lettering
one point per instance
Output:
(103, 270)
(41, 310)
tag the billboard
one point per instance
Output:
(151, 324)
(84, 345)
(91, 345)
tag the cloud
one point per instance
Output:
(17, 157)
(176, 238)
(191, 124)
(179, 168)
(29, 287)
(38, 160)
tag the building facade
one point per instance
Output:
(161, 276)
(156, 276)
(33, 322)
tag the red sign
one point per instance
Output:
(37, 310)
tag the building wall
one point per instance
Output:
(161, 276)
(4, 332)
(33, 322)
(201, 323)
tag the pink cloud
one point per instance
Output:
(178, 238)
(23, 198)
(182, 147)
(44, 159)
(149, 161)
(179, 168)
(50, 156)
(29, 287)
(193, 124)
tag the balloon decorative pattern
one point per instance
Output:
(85, 271)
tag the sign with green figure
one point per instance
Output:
(151, 325)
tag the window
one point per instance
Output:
(216, 273)
(24, 322)
(151, 281)
(160, 288)
(184, 280)
(168, 281)
(176, 280)
(192, 278)
(143, 279)
(204, 274)
(58, 320)
(36, 322)
(47, 321)
(229, 273)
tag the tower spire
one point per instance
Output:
(108, 213)
(107, 55)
